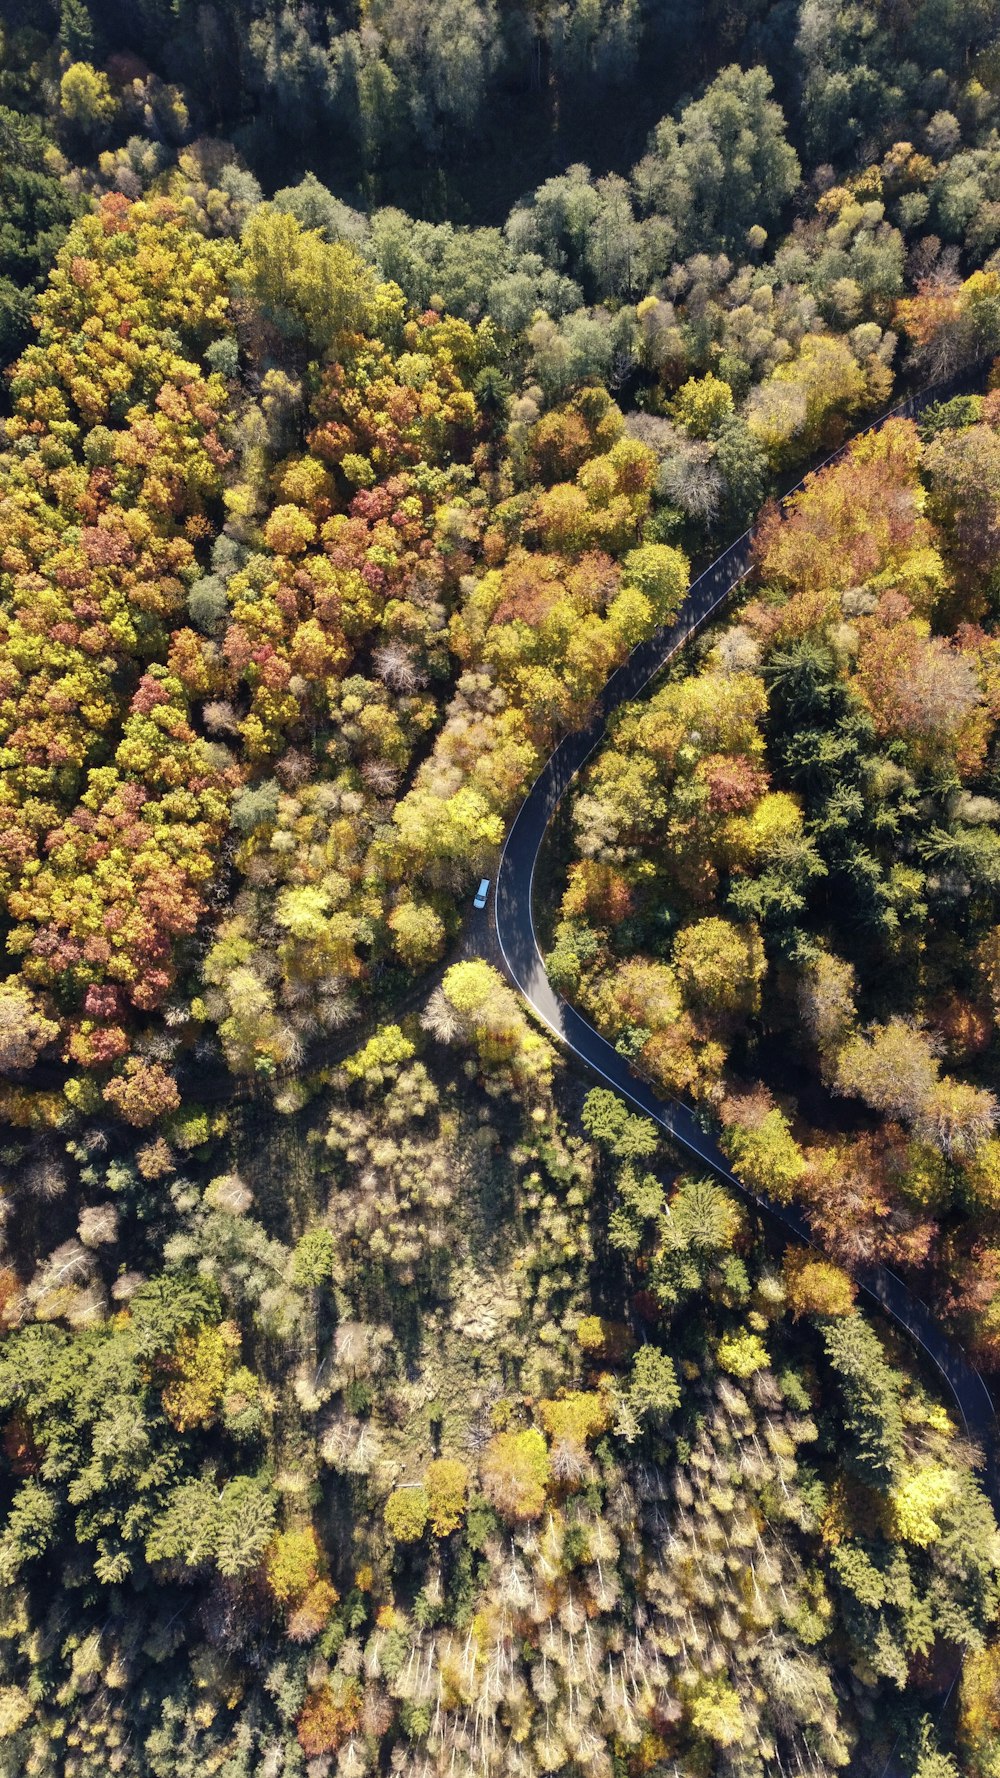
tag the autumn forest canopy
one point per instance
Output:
(379, 1395)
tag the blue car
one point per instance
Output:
(481, 893)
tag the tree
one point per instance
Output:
(807, 400)
(702, 404)
(24, 1028)
(979, 1721)
(76, 31)
(743, 466)
(488, 1015)
(725, 166)
(289, 531)
(244, 1525)
(575, 1417)
(716, 1711)
(37, 209)
(317, 210)
(921, 688)
(894, 1069)
(292, 1564)
(843, 528)
(15, 1710)
(143, 1093)
(695, 1236)
(959, 1119)
(201, 1523)
(381, 1057)
(86, 99)
(873, 1415)
(742, 1354)
(827, 1003)
(312, 290)
(514, 1471)
(626, 1136)
(653, 1391)
(122, 1479)
(406, 1513)
(763, 1151)
(931, 1761)
(447, 1485)
(661, 574)
(963, 469)
(815, 1286)
(720, 967)
(952, 324)
(195, 1373)
(418, 933)
(641, 1006)
(314, 1257)
(329, 1715)
(917, 1501)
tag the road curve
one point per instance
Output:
(519, 946)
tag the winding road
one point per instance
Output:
(518, 942)
(515, 928)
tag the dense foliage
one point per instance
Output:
(369, 1400)
(825, 784)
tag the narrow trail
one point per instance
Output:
(518, 943)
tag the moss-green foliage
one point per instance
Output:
(37, 208)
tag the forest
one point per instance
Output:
(379, 1393)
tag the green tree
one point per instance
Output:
(76, 30)
(870, 1390)
(625, 1136)
(314, 1257)
(653, 1391)
(36, 208)
(726, 165)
